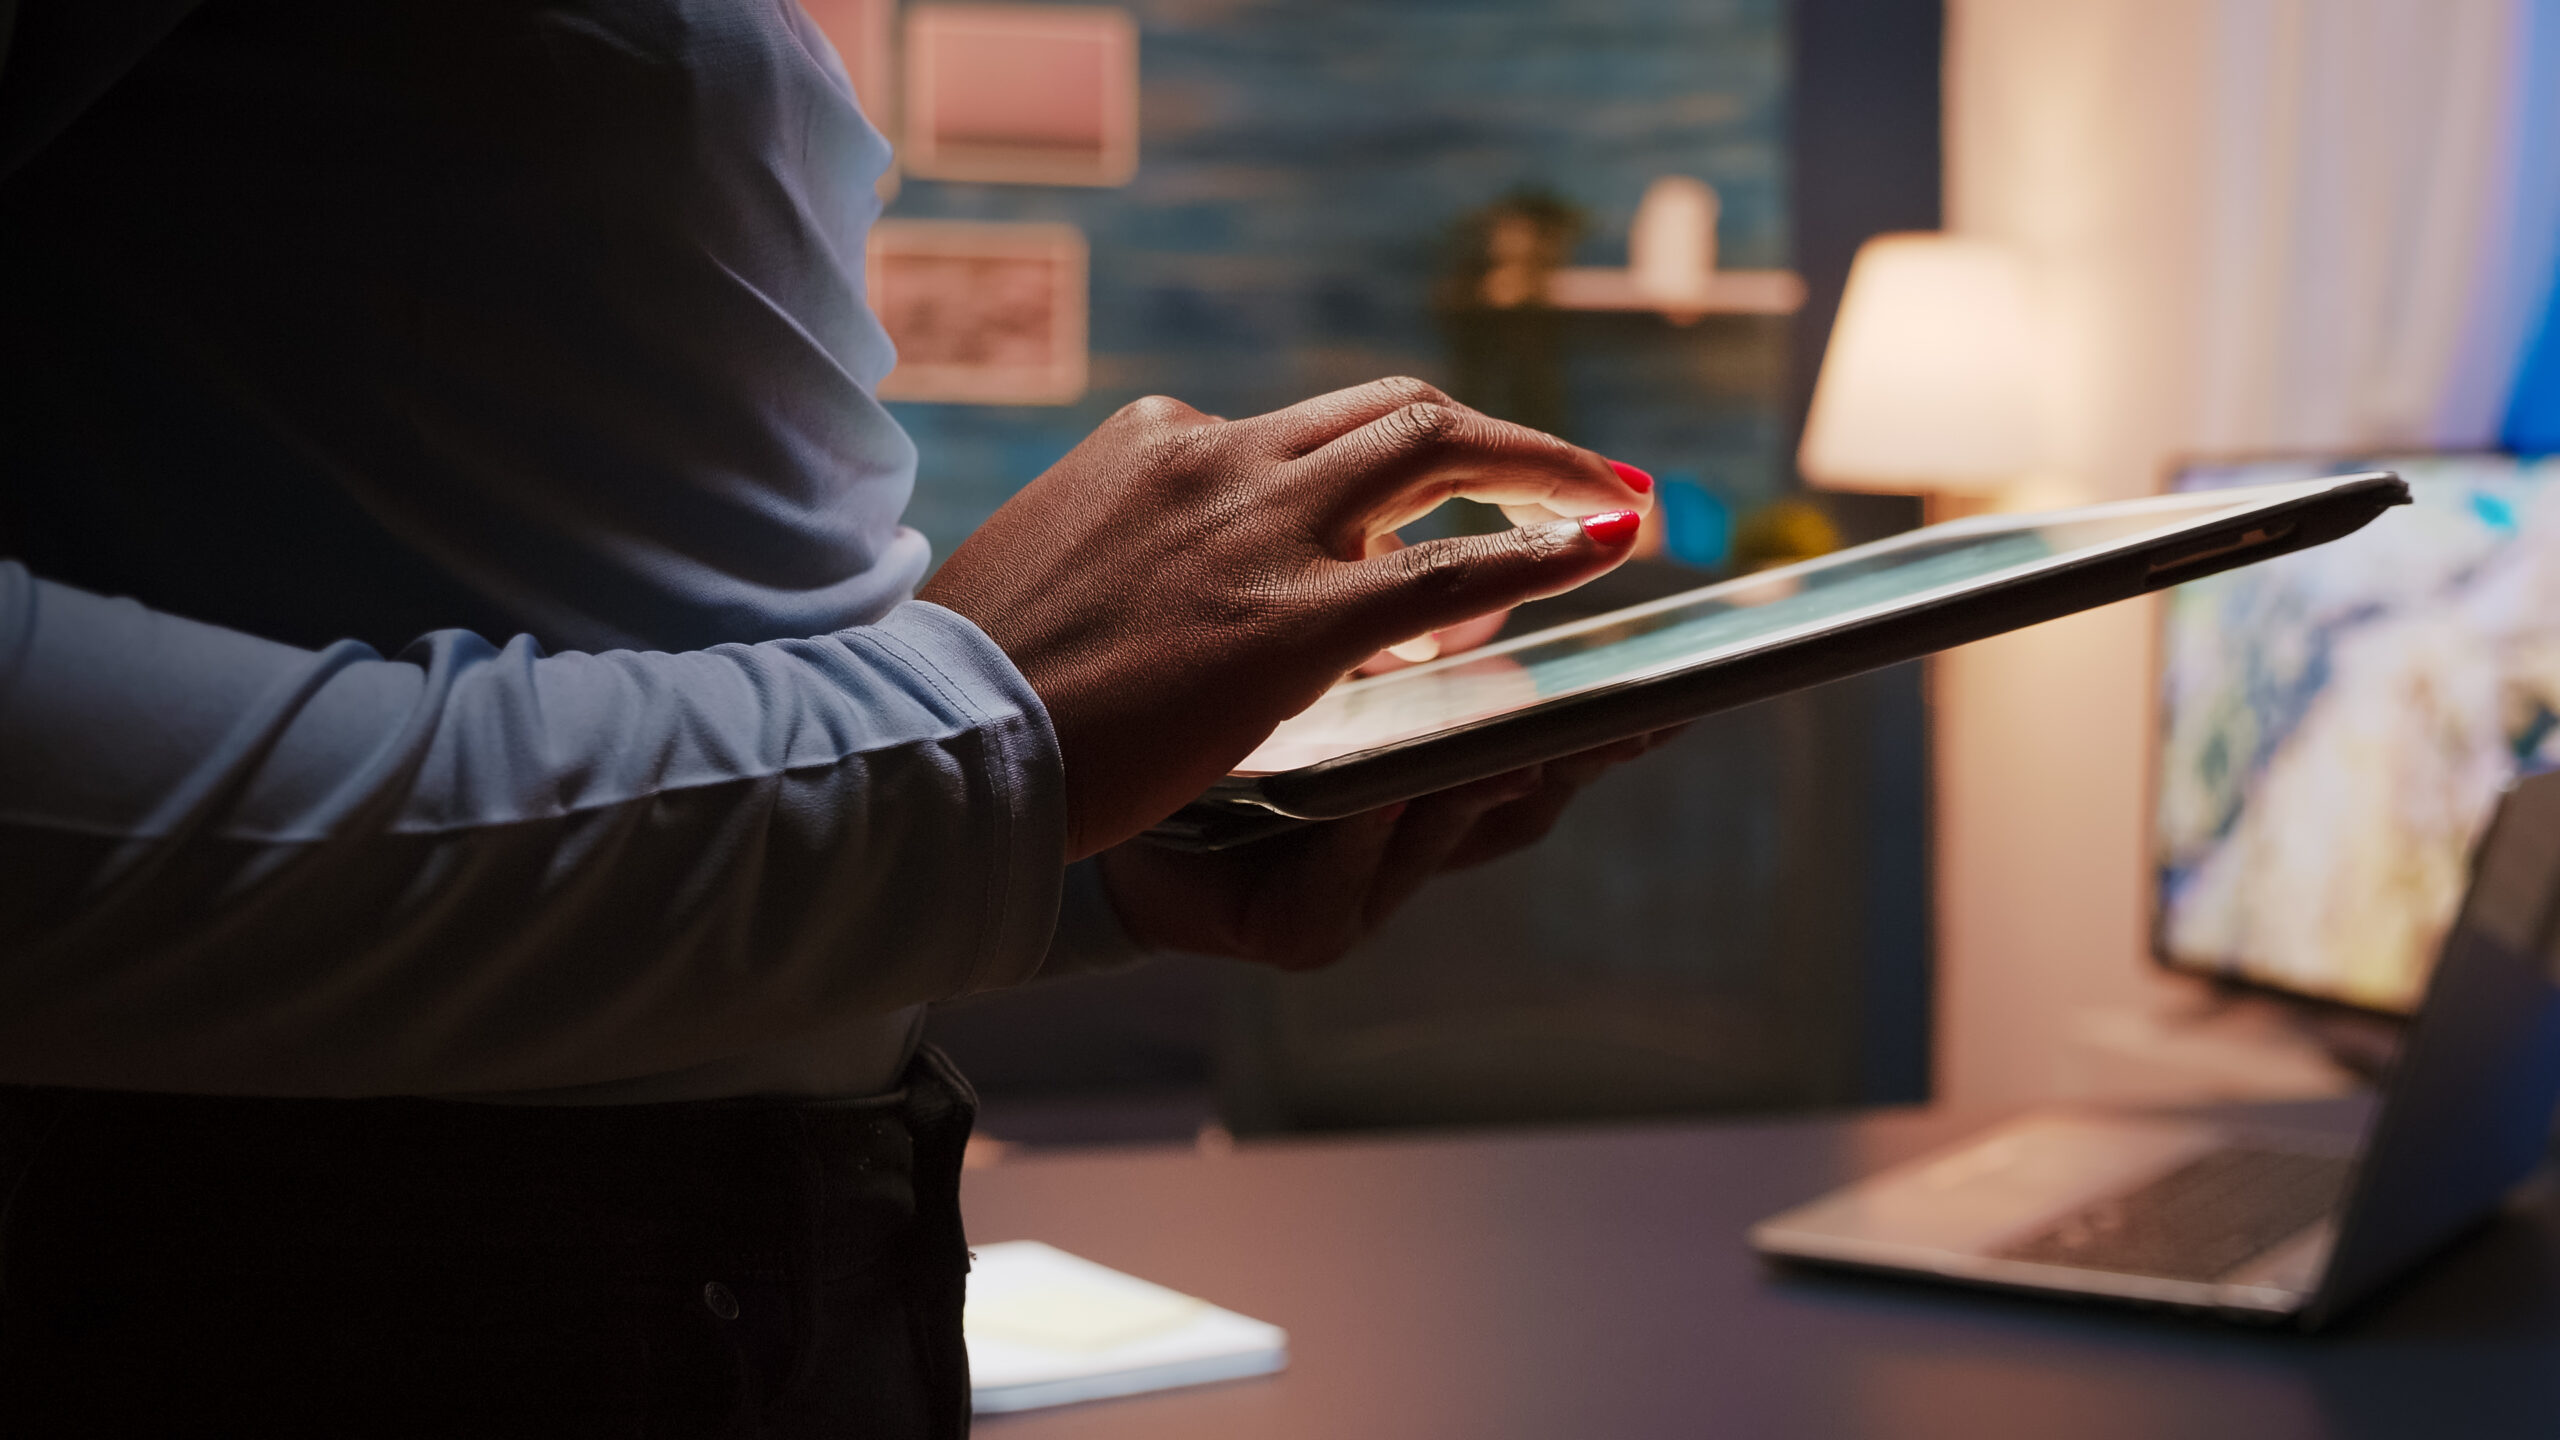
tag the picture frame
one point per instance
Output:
(1021, 94)
(982, 313)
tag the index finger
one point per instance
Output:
(1404, 464)
(1310, 424)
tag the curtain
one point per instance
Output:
(2378, 221)
(2253, 225)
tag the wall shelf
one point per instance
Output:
(1726, 292)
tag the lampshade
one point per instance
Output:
(1926, 385)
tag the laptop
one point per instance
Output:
(2253, 1223)
(2275, 806)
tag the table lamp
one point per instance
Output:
(1926, 388)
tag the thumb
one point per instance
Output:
(1439, 583)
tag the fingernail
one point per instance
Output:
(1612, 527)
(1635, 479)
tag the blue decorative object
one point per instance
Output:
(1697, 526)
(2495, 511)
(2533, 412)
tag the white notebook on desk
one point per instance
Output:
(1046, 1328)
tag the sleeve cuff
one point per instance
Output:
(1025, 831)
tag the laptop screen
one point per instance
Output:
(2336, 726)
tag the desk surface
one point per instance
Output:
(1593, 1284)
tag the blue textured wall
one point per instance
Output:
(1739, 921)
(1299, 168)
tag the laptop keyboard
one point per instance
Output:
(2199, 1221)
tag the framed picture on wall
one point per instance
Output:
(1021, 94)
(984, 314)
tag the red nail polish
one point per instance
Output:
(1612, 527)
(1635, 479)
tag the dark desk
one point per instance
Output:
(1568, 1285)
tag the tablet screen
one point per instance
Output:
(1718, 622)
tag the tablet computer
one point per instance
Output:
(1376, 740)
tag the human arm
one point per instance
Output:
(240, 866)
(641, 417)
(245, 866)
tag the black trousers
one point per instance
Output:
(181, 1266)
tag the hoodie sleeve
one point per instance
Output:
(238, 866)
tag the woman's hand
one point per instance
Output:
(1468, 634)
(1178, 585)
(1463, 636)
(1302, 899)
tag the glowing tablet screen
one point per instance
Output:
(1722, 621)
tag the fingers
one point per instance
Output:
(1442, 583)
(1431, 644)
(1332, 868)
(1302, 900)
(1458, 639)
(1433, 828)
(1455, 640)
(1526, 821)
(1516, 826)
(1376, 440)
(1405, 463)
(1310, 424)
(1581, 769)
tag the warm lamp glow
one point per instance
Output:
(1671, 249)
(1926, 385)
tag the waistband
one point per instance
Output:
(754, 1186)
